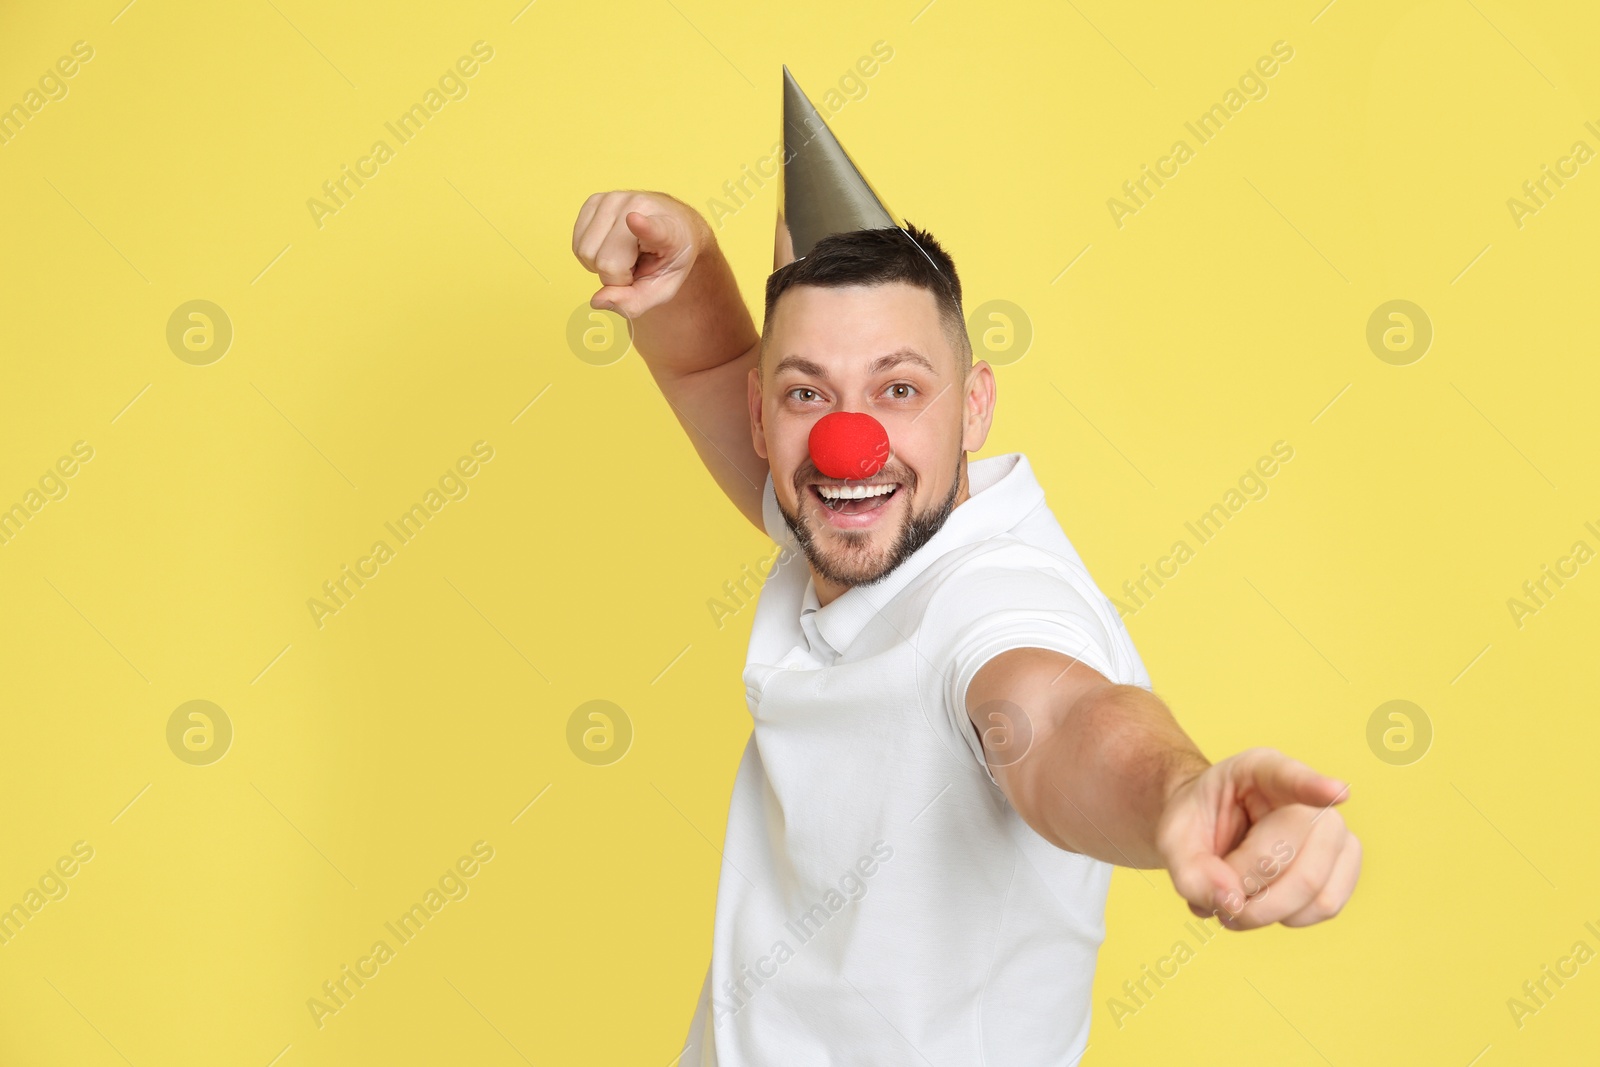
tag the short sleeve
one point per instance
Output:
(1020, 598)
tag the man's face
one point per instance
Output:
(883, 350)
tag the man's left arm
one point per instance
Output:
(1105, 770)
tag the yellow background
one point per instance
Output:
(370, 353)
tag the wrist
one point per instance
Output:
(1185, 766)
(704, 324)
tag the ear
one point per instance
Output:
(979, 409)
(758, 433)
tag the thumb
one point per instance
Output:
(656, 233)
(623, 299)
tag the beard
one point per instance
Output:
(855, 563)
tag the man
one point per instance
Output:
(954, 737)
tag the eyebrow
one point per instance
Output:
(879, 365)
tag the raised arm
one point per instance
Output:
(660, 267)
(1105, 770)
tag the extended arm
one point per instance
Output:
(1105, 770)
(1089, 764)
(661, 268)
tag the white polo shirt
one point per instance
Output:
(879, 901)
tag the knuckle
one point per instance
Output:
(588, 246)
(1299, 892)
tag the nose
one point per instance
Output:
(848, 444)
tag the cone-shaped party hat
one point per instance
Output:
(820, 191)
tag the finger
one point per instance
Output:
(1336, 891)
(1282, 780)
(661, 234)
(600, 226)
(585, 216)
(617, 255)
(1282, 878)
(1204, 880)
(646, 291)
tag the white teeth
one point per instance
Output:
(853, 492)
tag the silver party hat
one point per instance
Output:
(820, 189)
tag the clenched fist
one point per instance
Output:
(641, 245)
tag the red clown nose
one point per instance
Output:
(849, 444)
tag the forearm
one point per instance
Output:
(699, 347)
(1097, 783)
(705, 325)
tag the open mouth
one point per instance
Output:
(858, 499)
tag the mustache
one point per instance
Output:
(808, 474)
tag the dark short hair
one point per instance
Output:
(877, 257)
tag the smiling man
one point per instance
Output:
(954, 738)
(852, 298)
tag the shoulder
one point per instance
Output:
(1005, 593)
(1007, 571)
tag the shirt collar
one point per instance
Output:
(1003, 491)
(809, 607)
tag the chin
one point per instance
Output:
(864, 560)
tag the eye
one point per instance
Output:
(904, 385)
(802, 389)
